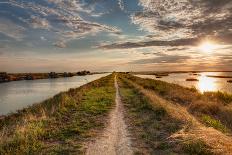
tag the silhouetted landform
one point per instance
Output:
(214, 76)
(7, 77)
(158, 74)
(3, 76)
(195, 74)
(81, 73)
(192, 79)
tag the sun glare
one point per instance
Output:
(207, 47)
(207, 84)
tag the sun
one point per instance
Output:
(207, 47)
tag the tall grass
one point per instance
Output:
(215, 104)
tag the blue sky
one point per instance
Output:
(108, 35)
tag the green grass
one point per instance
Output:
(61, 124)
(211, 122)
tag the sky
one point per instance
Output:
(115, 35)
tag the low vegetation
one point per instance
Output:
(215, 104)
(162, 118)
(197, 147)
(211, 122)
(8, 77)
(199, 120)
(59, 125)
(150, 125)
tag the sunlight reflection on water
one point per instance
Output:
(204, 84)
(207, 84)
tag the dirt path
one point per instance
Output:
(115, 139)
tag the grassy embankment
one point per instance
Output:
(167, 118)
(60, 125)
(214, 105)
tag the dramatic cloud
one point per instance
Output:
(168, 19)
(181, 23)
(162, 33)
(225, 39)
(61, 17)
(178, 42)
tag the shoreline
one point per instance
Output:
(10, 77)
(61, 123)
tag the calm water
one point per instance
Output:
(19, 94)
(204, 84)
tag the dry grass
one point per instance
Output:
(215, 104)
(193, 129)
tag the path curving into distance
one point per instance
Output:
(115, 139)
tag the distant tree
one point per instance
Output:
(53, 75)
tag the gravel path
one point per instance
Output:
(115, 139)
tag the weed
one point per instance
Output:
(211, 122)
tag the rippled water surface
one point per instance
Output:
(204, 84)
(19, 94)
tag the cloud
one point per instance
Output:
(38, 22)
(168, 19)
(62, 18)
(165, 59)
(60, 44)
(121, 4)
(222, 39)
(43, 38)
(10, 29)
(178, 42)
